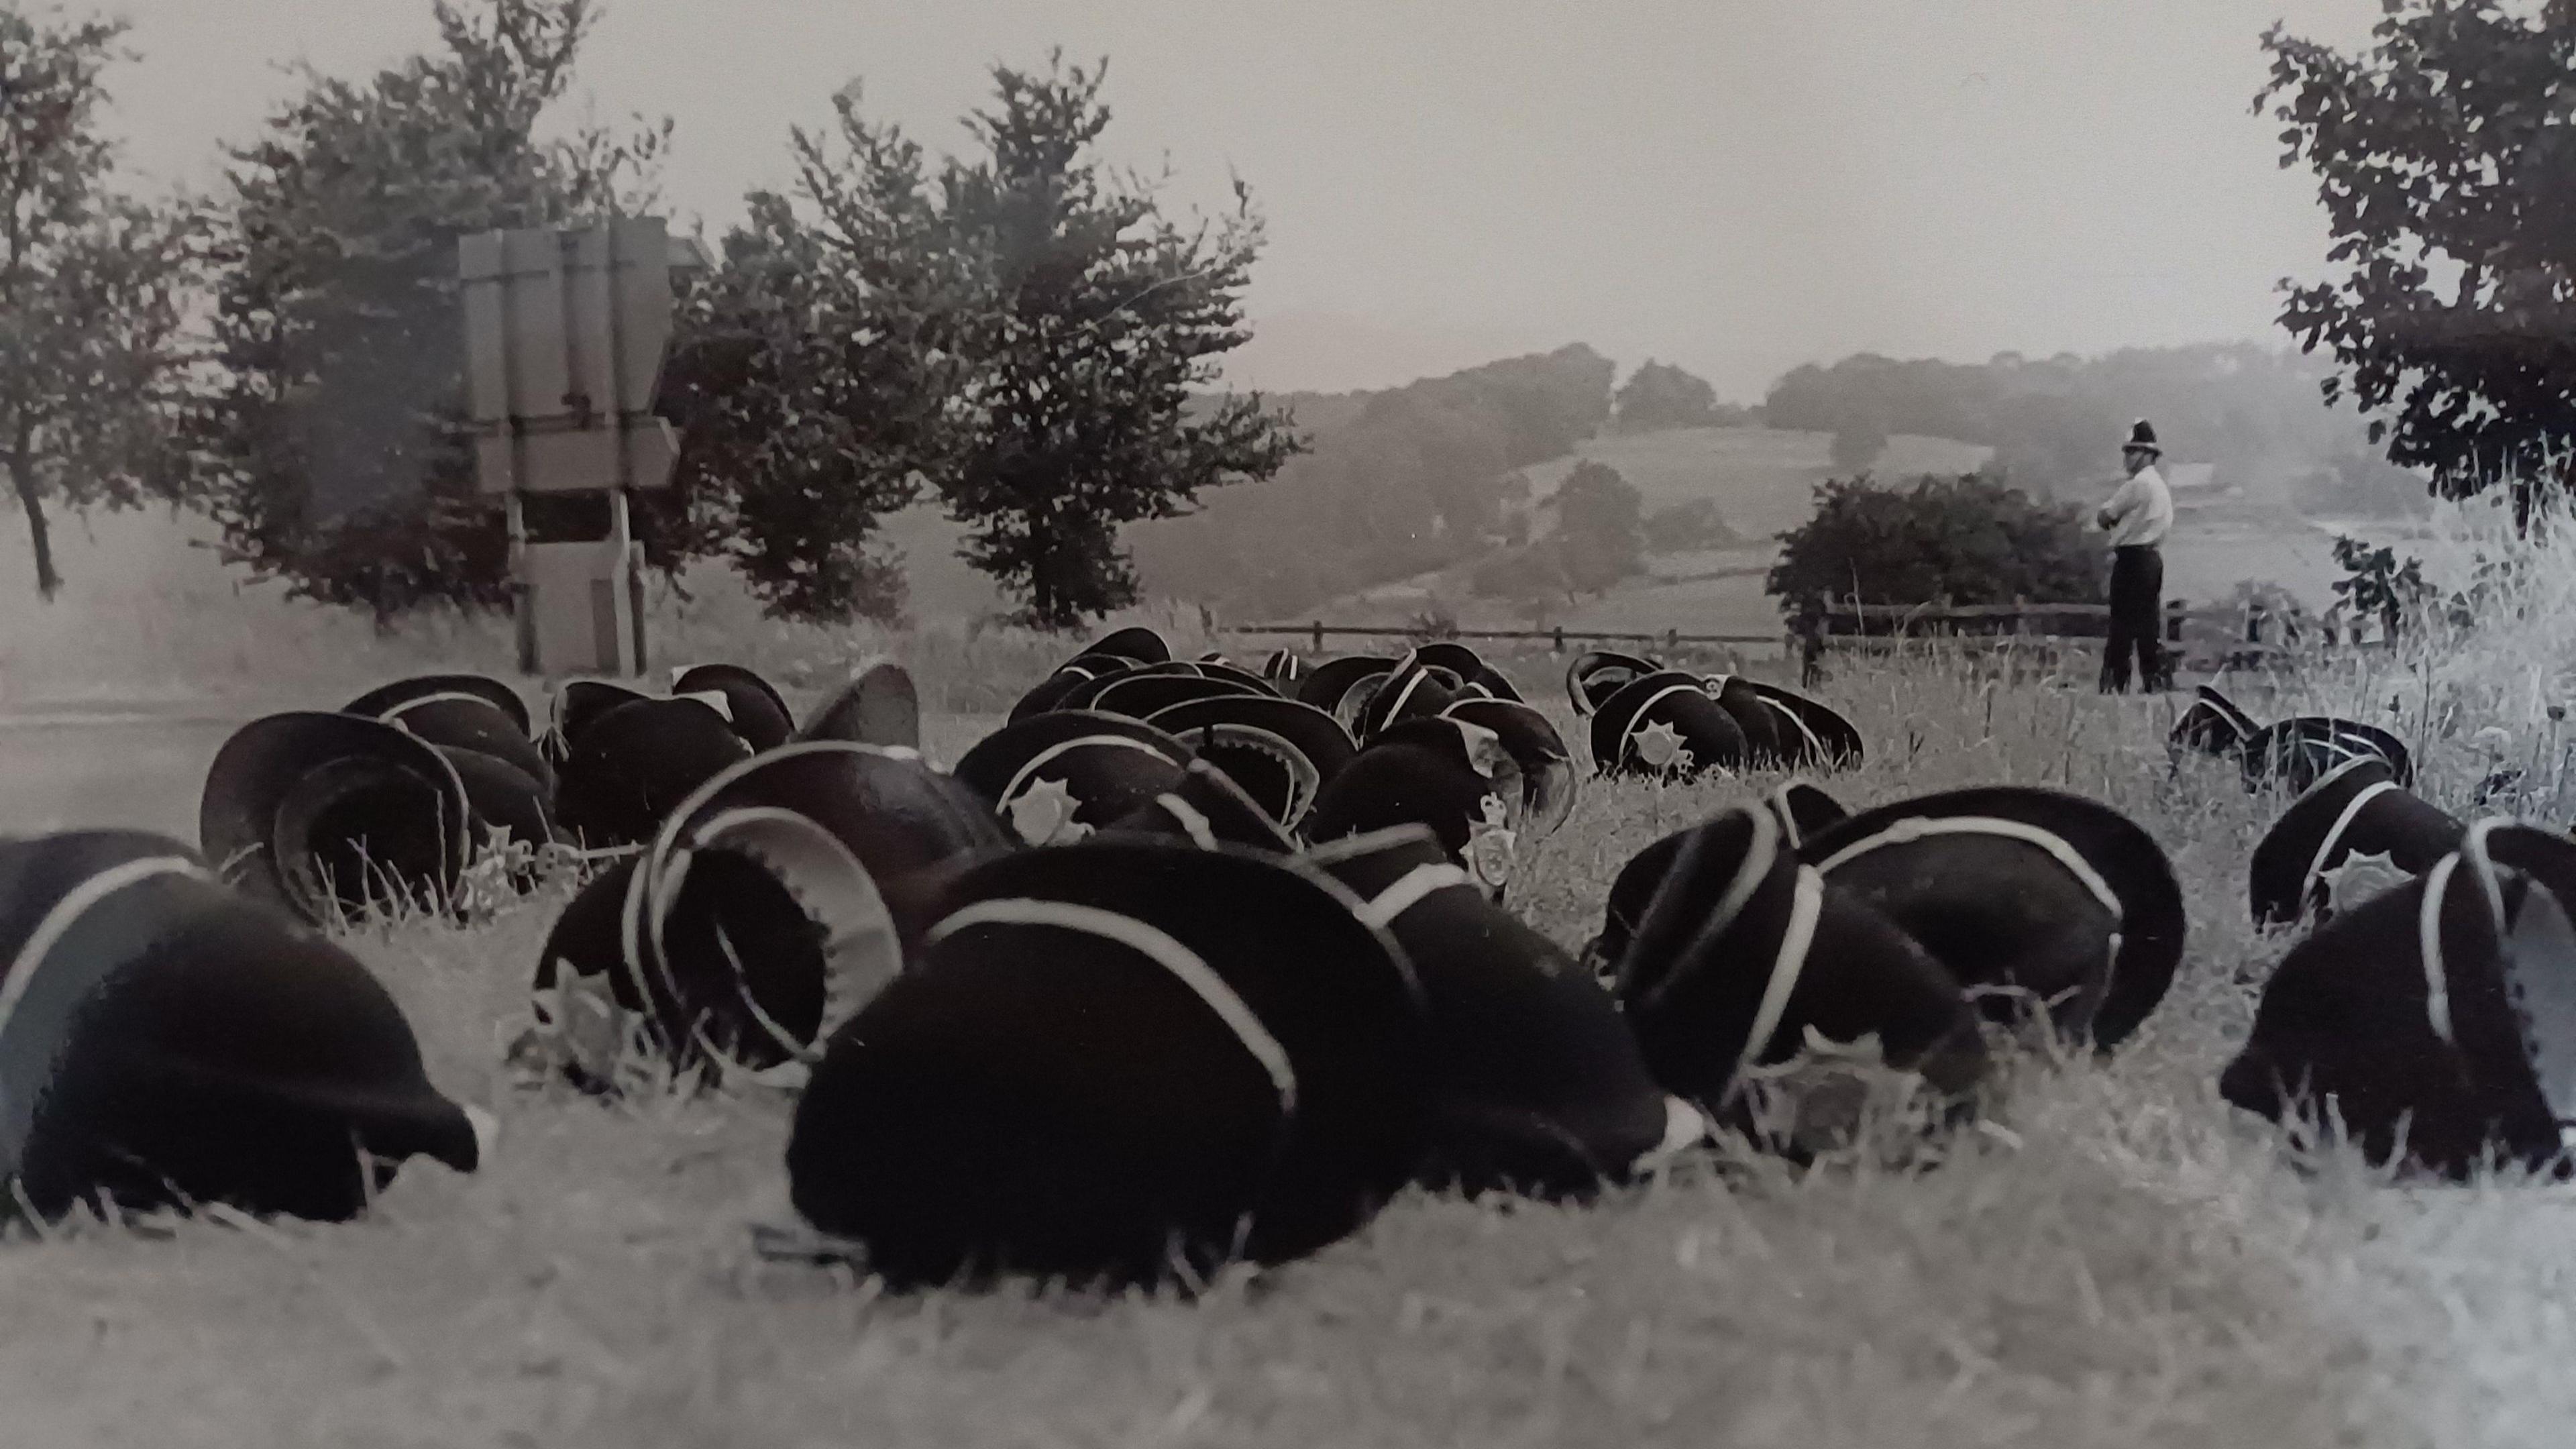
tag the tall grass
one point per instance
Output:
(2120, 1260)
(2473, 688)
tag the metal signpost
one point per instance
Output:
(564, 337)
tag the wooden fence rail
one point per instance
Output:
(2212, 639)
(1554, 638)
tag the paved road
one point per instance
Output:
(64, 768)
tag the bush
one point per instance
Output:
(1686, 526)
(1964, 540)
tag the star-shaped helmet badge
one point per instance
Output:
(1043, 814)
(1660, 745)
(2360, 877)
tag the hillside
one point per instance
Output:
(1762, 480)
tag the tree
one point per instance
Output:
(2375, 584)
(1600, 533)
(91, 285)
(2446, 161)
(333, 453)
(1691, 524)
(818, 381)
(1963, 540)
(1660, 395)
(1101, 317)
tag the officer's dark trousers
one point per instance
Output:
(2137, 604)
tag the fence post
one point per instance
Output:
(1319, 636)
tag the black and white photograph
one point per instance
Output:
(833, 724)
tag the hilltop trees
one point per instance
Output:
(91, 346)
(330, 452)
(1660, 395)
(2446, 160)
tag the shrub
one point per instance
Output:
(1963, 540)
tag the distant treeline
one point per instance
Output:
(2254, 412)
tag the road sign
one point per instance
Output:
(565, 333)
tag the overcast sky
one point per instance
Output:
(1736, 185)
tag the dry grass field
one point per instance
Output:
(2116, 1261)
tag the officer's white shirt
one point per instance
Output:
(2141, 511)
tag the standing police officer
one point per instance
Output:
(2138, 516)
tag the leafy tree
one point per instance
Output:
(332, 453)
(2376, 584)
(1429, 469)
(1660, 395)
(1600, 535)
(1102, 316)
(816, 384)
(1543, 404)
(2446, 160)
(1963, 540)
(91, 354)
(1692, 524)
